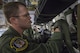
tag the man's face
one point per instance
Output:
(24, 21)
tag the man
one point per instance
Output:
(14, 41)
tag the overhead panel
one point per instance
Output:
(48, 9)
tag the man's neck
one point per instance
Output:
(18, 29)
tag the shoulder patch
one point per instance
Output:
(18, 43)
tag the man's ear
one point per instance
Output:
(13, 20)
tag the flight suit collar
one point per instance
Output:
(14, 32)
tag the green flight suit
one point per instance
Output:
(64, 27)
(49, 47)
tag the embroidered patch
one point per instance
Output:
(18, 43)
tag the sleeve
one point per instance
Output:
(6, 49)
(55, 42)
(5, 45)
(64, 27)
(66, 35)
(49, 47)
